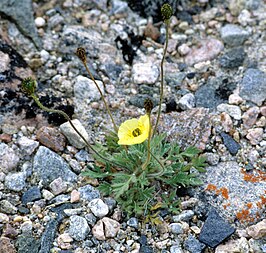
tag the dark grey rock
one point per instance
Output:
(89, 193)
(230, 143)
(48, 166)
(193, 245)
(21, 13)
(48, 236)
(31, 195)
(146, 249)
(27, 244)
(215, 229)
(233, 35)
(133, 222)
(233, 58)
(215, 92)
(252, 87)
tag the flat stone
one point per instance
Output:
(8, 158)
(208, 50)
(232, 146)
(15, 181)
(51, 138)
(233, 58)
(31, 195)
(72, 136)
(48, 166)
(258, 230)
(145, 73)
(78, 228)
(22, 14)
(233, 35)
(89, 193)
(188, 128)
(215, 229)
(111, 227)
(232, 110)
(252, 87)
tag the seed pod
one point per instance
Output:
(148, 105)
(29, 85)
(167, 12)
(81, 53)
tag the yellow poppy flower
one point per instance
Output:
(134, 131)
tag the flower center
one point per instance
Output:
(136, 132)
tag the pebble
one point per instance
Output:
(48, 166)
(7, 207)
(263, 110)
(252, 87)
(8, 158)
(233, 58)
(232, 146)
(185, 215)
(4, 218)
(226, 121)
(78, 228)
(15, 181)
(98, 231)
(58, 186)
(240, 245)
(51, 138)
(187, 102)
(235, 99)
(64, 241)
(208, 50)
(250, 116)
(255, 135)
(145, 73)
(73, 138)
(6, 245)
(258, 230)
(194, 245)
(47, 194)
(111, 227)
(215, 229)
(89, 193)
(183, 49)
(133, 222)
(176, 228)
(98, 208)
(74, 196)
(232, 110)
(176, 249)
(40, 22)
(5, 61)
(31, 195)
(27, 146)
(233, 35)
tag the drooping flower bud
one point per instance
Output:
(148, 105)
(81, 53)
(167, 12)
(29, 85)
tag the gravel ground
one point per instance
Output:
(215, 99)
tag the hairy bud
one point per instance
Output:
(167, 12)
(81, 53)
(148, 105)
(29, 85)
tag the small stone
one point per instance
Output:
(195, 229)
(215, 230)
(183, 49)
(231, 246)
(255, 135)
(8, 158)
(189, 203)
(31, 195)
(263, 110)
(145, 73)
(176, 249)
(233, 58)
(4, 218)
(10, 232)
(6, 246)
(78, 228)
(194, 245)
(73, 138)
(51, 138)
(39, 22)
(233, 110)
(233, 35)
(27, 145)
(258, 230)
(7, 207)
(152, 32)
(232, 146)
(64, 241)
(47, 195)
(15, 181)
(74, 196)
(98, 208)
(26, 227)
(227, 122)
(176, 228)
(187, 102)
(89, 193)
(4, 63)
(185, 215)
(91, 219)
(48, 166)
(5, 137)
(250, 116)
(235, 99)
(98, 231)
(111, 227)
(252, 87)
(58, 186)
(208, 50)
(133, 222)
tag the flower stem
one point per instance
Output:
(162, 78)
(144, 166)
(35, 98)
